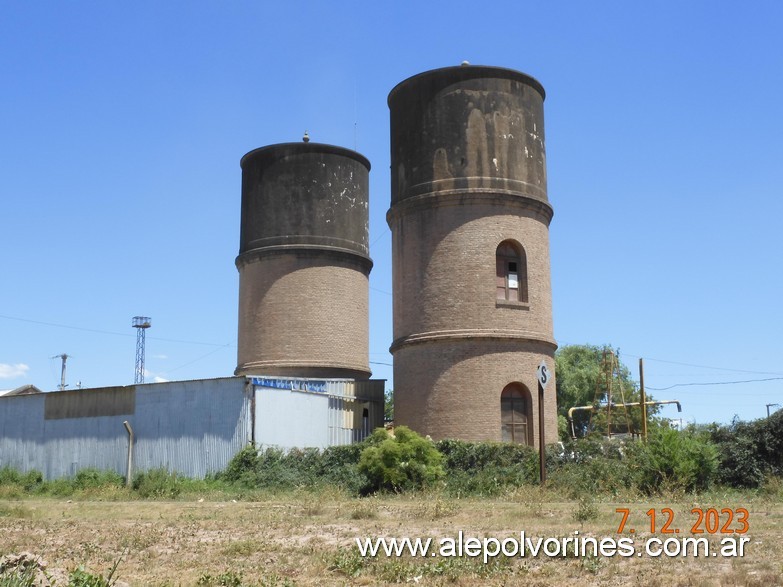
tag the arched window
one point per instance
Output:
(511, 265)
(515, 415)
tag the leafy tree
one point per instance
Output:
(578, 369)
(388, 405)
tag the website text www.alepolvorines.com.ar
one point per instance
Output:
(487, 549)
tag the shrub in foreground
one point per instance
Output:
(486, 468)
(749, 451)
(674, 460)
(591, 466)
(400, 462)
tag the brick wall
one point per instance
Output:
(303, 313)
(451, 389)
(456, 346)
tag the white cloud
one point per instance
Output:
(157, 379)
(13, 371)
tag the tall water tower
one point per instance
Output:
(304, 262)
(470, 221)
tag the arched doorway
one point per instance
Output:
(516, 420)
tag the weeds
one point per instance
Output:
(585, 511)
(226, 579)
(277, 581)
(242, 548)
(157, 484)
(347, 561)
(26, 577)
(364, 510)
(436, 508)
(21, 567)
(80, 577)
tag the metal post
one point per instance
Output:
(769, 406)
(64, 358)
(541, 443)
(129, 473)
(643, 399)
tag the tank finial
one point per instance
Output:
(306, 137)
(464, 63)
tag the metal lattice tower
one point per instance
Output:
(141, 323)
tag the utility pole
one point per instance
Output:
(140, 323)
(64, 358)
(769, 406)
(643, 398)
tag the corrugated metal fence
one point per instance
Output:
(192, 428)
(189, 427)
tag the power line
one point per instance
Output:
(212, 352)
(221, 345)
(714, 383)
(380, 237)
(707, 366)
(380, 290)
(96, 331)
(646, 358)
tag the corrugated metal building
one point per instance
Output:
(190, 427)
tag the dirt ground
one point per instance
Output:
(309, 539)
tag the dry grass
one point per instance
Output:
(308, 539)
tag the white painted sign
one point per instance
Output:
(543, 374)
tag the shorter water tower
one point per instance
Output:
(304, 262)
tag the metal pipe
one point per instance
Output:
(129, 475)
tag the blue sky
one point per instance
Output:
(122, 126)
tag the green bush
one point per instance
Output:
(9, 476)
(277, 469)
(486, 468)
(591, 466)
(749, 451)
(273, 468)
(740, 465)
(674, 460)
(400, 462)
(241, 466)
(770, 443)
(338, 457)
(340, 467)
(30, 481)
